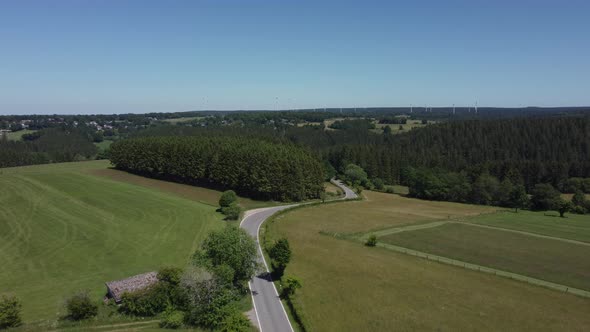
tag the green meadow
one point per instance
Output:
(67, 228)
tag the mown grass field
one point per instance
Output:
(66, 229)
(547, 259)
(574, 227)
(350, 287)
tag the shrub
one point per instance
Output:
(172, 319)
(390, 190)
(231, 212)
(577, 209)
(291, 285)
(235, 322)
(371, 241)
(146, 302)
(378, 183)
(170, 275)
(228, 198)
(10, 310)
(80, 307)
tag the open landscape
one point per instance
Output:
(69, 230)
(348, 286)
(294, 166)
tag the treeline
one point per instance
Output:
(51, 145)
(251, 167)
(538, 150)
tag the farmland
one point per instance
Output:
(547, 259)
(349, 287)
(68, 229)
(574, 227)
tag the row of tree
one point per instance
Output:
(251, 167)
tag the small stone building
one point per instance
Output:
(115, 289)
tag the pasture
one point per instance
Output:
(350, 287)
(65, 229)
(547, 259)
(573, 227)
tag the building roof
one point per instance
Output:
(131, 284)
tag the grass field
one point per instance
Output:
(18, 135)
(66, 229)
(105, 144)
(350, 287)
(574, 227)
(547, 259)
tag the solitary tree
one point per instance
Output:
(387, 130)
(227, 198)
(562, 206)
(371, 241)
(233, 247)
(280, 253)
(518, 197)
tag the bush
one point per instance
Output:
(231, 212)
(378, 183)
(172, 319)
(577, 209)
(80, 307)
(228, 198)
(291, 285)
(170, 275)
(235, 322)
(371, 241)
(146, 302)
(10, 310)
(390, 190)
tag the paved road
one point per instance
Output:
(270, 313)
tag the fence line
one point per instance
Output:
(475, 267)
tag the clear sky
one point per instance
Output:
(118, 56)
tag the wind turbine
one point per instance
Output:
(476, 107)
(453, 109)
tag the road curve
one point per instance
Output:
(270, 313)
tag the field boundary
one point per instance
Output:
(480, 268)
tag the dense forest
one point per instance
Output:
(47, 146)
(527, 150)
(252, 167)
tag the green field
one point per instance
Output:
(574, 227)
(18, 135)
(105, 144)
(547, 259)
(66, 228)
(350, 287)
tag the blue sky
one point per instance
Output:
(123, 56)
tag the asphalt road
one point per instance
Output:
(270, 313)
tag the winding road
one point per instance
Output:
(269, 310)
